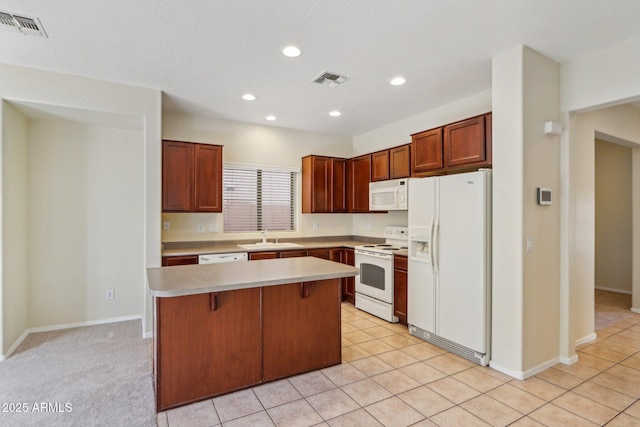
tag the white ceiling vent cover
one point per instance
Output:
(330, 79)
(22, 24)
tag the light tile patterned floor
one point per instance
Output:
(390, 378)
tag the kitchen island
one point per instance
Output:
(223, 327)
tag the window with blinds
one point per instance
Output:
(258, 199)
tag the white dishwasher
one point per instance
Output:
(220, 258)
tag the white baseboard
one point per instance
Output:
(522, 375)
(591, 337)
(147, 335)
(14, 346)
(620, 291)
(569, 360)
(65, 326)
(515, 374)
(635, 310)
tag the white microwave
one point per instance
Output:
(388, 195)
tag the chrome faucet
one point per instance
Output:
(264, 236)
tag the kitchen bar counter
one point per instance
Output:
(197, 279)
(219, 328)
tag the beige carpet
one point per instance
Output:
(611, 307)
(91, 376)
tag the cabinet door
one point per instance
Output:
(318, 253)
(464, 142)
(400, 162)
(400, 289)
(350, 282)
(306, 335)
(192, 330)
(380, 165)
(339, 183)
(207, 178)
(426, 150)
(169, 261)
(316, 184)
(358, 177)
(293, 254)
(254, 256)
(177, 172)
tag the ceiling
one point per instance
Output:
(204, 55)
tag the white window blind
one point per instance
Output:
(257, 199)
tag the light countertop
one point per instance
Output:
(204, 278)
(213, 248)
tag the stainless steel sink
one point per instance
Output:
(270, 245)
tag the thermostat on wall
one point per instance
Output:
(544, 196)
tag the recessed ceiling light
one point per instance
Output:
(291, 51)
(397, 81)
(335, 113)
(248, 97)
(270, 118)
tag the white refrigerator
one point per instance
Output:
(449, 272)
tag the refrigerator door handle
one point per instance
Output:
(435, 243)
(431, 242)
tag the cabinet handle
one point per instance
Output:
(213, 301)
(304, 289)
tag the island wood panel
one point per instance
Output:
(203, 352)
(349, 282)
(306, 335)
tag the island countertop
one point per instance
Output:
(204, 278)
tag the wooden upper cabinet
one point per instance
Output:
(464, 142)
(358, 178)
(380, 165)
(177, 176)
(317, 184)
(339, 183)
(400, 162)
(208, 178)
(191, 177)
(426, 150)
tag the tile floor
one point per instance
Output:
(390, 378)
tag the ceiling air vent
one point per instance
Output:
(330, 79)
(22, 24)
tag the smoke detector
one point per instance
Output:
(329, 79)
(22, 24)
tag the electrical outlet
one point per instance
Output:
(213, 228)
(111, 294)
(529, 243)
(200, 228)
(316, 226)
(166, 225)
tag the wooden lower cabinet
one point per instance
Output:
(253, 256)
(305, 336)
(215, 343)
(400, 288)
(349, 288)
(293, 254)
(318, 253)
(207, 345)
(169, 261)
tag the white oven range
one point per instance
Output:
(374, 284)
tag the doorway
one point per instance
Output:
(613, 231)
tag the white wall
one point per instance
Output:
(14, 256)
(23, 85)
(256, 144)
(86, 222)
(526, 283)
(613, 217)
